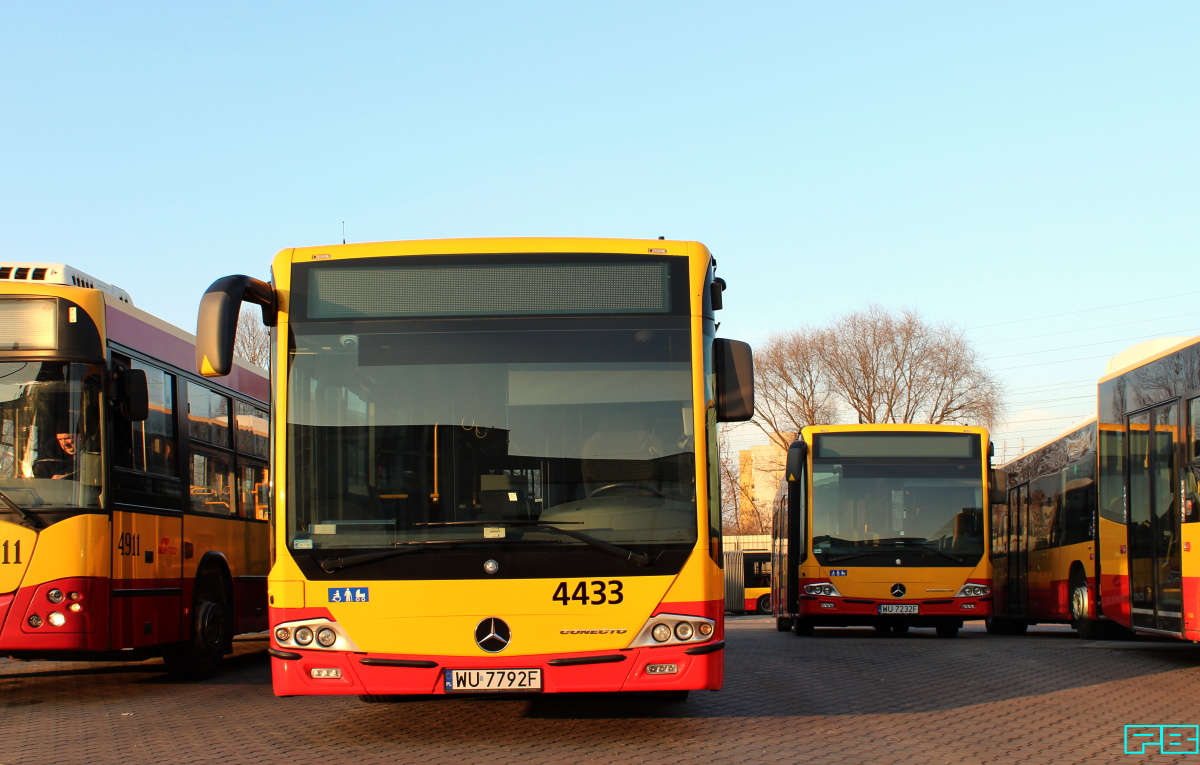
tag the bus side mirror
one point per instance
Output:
(131, 394)
(734, 363)
(794, 478)
(216, 324)
(998, 487)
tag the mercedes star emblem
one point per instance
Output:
(898, 590)
(492, 635)
(491, 566)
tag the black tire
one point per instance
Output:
(802, 628)
(783, 624)
(666, 697)
(900, 629)
(883, 629)
(947, 630)
(1081, 596)
(199, 657)
(764, 604)
(996, 625)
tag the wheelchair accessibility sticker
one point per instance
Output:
(349, 594)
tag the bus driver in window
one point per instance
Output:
(61, 464)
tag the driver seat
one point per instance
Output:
(621, 456)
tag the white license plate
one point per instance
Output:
(899, 608)
(485, 680)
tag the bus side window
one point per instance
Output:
(146, 452)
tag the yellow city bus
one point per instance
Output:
(131, 490)
(496, 464)
(748, 581)
(883, 526)
(1103, 523)
(1043, 540)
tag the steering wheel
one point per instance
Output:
(49, 467)
(635, 490)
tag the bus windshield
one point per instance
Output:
(398, 438)
(896, 505)
(49, 437)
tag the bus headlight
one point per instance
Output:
(57, 619)
(674, 629)
(973, 591)
(825, 589)
(313, 634)
(55, 596)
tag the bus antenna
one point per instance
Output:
(343, 232)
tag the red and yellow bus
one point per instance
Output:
(1102, 525)
(132, 492)
(496, 462)
(883, 526)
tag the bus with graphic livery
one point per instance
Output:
(1102, 525)
(496, 464)
(133, 492)
(883, 526)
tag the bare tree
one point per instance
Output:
(253, 340)
(741, 511)
(872, 366)
(791, 389)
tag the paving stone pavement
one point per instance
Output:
(842, 696)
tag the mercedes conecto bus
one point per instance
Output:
(497, 464)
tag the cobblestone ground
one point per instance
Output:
(842, 696)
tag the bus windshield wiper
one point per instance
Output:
(32, 519)
(330, 565)
(906, 544)
(636, 558)
(920, 543)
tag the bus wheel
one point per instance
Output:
(802, 628)
(199, 657)
(900, 629)
(996, 625)
(783, 624)
(666, 697)
(764, 604)
(883, 629)
(947, 630)
(1081, 599)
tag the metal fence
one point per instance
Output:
(746, 542)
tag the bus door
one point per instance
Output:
(1155, 563)
(147, 572)
(1019, 542)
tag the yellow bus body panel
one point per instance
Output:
(439, 618)
(76, 546)
(15, 539)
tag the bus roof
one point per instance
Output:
(58, 273)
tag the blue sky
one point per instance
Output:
(1026, 171)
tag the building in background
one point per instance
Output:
(760, 469)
